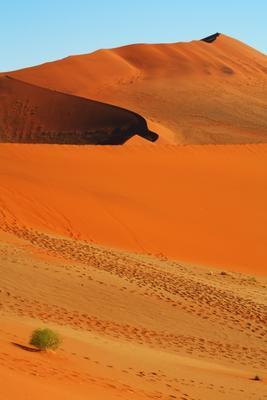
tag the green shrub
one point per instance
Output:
(45, 339)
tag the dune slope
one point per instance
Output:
(134, 327)
(149, 260)
(30, 114)
(202, 204)
(193, 92)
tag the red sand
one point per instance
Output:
(195, 92)
(31, 114)
(135, 326)
(202, 204)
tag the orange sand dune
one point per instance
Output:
(202, 204)
(134, 327)
(117, 247)
(30, 114)
(195, 92)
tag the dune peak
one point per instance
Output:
(211, 38)
(193, 92)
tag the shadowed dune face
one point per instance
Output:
(211, 38)
(29, 114)
(195, 92)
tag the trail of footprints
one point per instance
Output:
(172, 388)
(178, 343)
(43, 369)
(174, 286)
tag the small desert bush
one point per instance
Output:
(45, 339)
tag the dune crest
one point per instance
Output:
(30, 114)
(149, 260)
(201, 92)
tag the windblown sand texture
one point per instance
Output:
(148, 259)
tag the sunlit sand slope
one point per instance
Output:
(134, 326)
(202, 204)
(195, 92)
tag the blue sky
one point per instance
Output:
(36, 31)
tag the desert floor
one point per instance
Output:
(154, 277)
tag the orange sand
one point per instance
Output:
(133, 327)
(89, 235)
(197, 92)
(201, 204)
(31, 114)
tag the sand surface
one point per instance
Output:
(148, 259)
(194, 92)
(31, 114)
(134, 326)
(200, 204)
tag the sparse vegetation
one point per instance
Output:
(256, 378)
(45, 339)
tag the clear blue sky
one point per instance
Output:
(36, 31)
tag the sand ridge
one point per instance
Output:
(148, 259)
(211, 92)
(31, 114)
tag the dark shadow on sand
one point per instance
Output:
(211, 38)
(26, 348)
(52, 117)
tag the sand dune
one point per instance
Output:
(30, 114)
(200, 92)
(134, 327)
(202, 204)
(148, 259)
